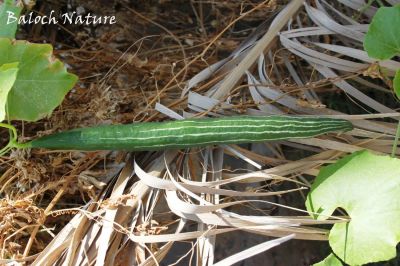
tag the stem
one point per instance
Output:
(13, 143)
(13, 131)
(13, 138)
(396, 140)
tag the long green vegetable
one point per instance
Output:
(188, 133)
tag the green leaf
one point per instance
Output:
(396, 83)
(42, 81)
(382, 40)
(331, 260)
(8, 75)
(367, 186)
(8, 24)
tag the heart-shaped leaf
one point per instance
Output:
(9, 14)
(8, 75)
(382, 40)
(367, 186)
(42, 81)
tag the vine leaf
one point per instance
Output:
(42, 81)
(331, 260)
(396, 83)
(382, 40)
(8, 75)
(8, 30)
(367, 187)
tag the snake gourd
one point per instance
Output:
(188, 133)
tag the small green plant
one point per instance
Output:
(382, 40)
(365, 185)
(41, 81)
(33, 82)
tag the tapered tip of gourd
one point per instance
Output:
(348, 126)
(342, 126)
